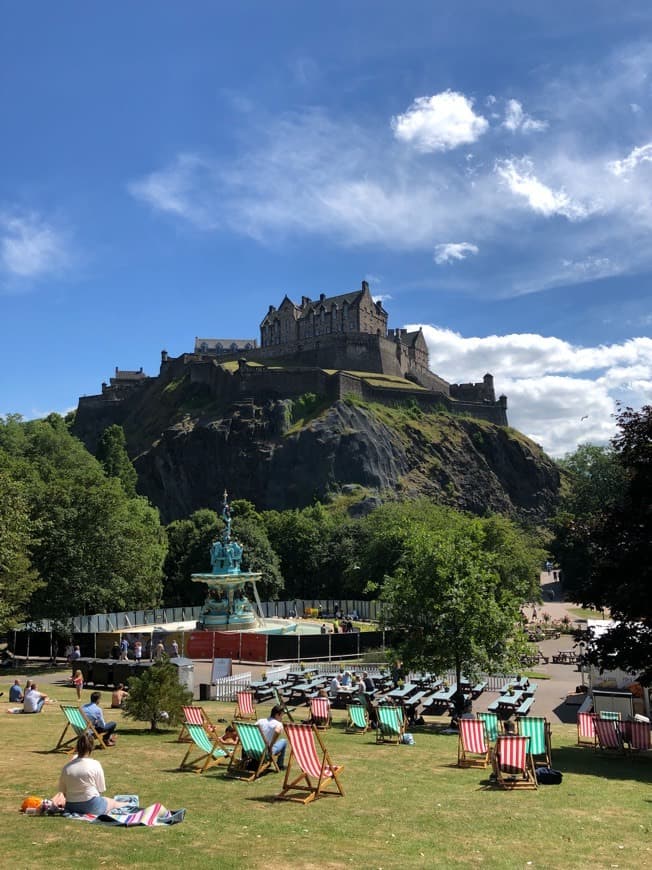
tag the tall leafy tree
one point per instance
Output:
(456, 593)
(18, 579)
(112, 453)
(95, 548)
(189, 542)
(618, 543)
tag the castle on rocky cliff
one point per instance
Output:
(331, 346)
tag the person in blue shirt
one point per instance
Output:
(16, 692)
(94, 712)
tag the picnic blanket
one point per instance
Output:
(151, 816)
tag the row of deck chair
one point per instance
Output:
(310, 772)
(606, 731)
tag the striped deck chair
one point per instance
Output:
(512, 762)
(637, 736)
(538, 730)
(320, 712)
(316, 770)
(358, 721)
(391, 724)
(244, 708)
(210, 751)
(472, 746)
(491, 725)
(79, 724)
(194, 716)
(607, 735)
(585, 728)
(253, 755)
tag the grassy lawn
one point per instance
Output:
(586, 613)
(405, 806)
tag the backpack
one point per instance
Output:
(548, 776)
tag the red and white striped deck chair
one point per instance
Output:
(637, 736)
(585, 728)
(472, 747)
(512, 762)
(245, 708)
(607, 735)
(320, 711)
(316, 770)
(194, 716)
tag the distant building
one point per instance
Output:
(223, 346)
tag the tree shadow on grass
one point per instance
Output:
(566, 713)
(583, 760)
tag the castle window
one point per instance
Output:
(234, 346)
(203, 347)
(248, 346)
(218, 347)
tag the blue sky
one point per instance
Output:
(171, 169)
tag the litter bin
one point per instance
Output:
(186, 669)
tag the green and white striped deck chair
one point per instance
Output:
(491, 725)
(538, 730)
(253, 755)
(210, 751)
(391, 724)
(358, 721)
(79, 724)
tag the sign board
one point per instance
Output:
(221, 668)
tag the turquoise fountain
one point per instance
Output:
(227, 607)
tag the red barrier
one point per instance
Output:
(240, 646)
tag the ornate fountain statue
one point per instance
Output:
(227, 607)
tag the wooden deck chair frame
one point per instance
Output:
(253, 755)
(473, 745)
(391, 724)
(607, 736)
(491, 725)
(211, 753)
(538, 730)
(512, 751)
(585, 729)
(80, 724)
(288, 711)
(358, 719)
(245, 707)
(194, 716)
(317, 775)
(320, 711)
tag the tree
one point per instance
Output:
(156, 692)
(189, 542)
(456, 593)
(112, 453)
(618, 543)
(95, 548)
(18, 579)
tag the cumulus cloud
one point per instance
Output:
(440, 122)
(450, 251)
(516, 119)
(642, 154)
(559, 394)
(519, 177)
(30, 246)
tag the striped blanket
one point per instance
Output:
(151, 816)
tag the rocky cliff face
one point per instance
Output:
(256, 453)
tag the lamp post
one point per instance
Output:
(581, 661)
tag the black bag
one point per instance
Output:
(548, 776)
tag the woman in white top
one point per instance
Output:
(82, 782)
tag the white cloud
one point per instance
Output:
(30, 246)
(554, 383)
(440, 123)
(450, 251)
(516, 119)
(642, 154)
(520, 179)
(381, 297)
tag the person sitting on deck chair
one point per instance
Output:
(272, 728)
(93, 712)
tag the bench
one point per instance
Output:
(477, 690)
(524, 708)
